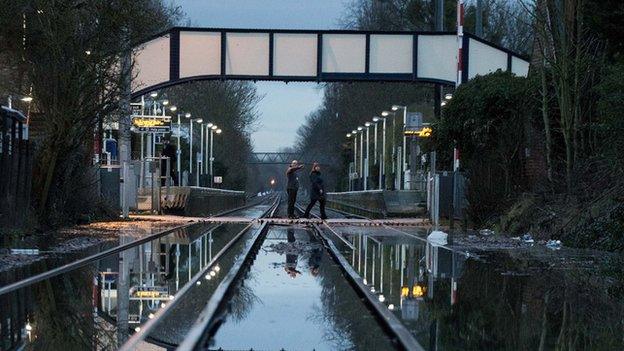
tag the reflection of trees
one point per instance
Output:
(350, 324)
(63, 316)
(569, 309)
(241, 302)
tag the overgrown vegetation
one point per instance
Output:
(65, 55)
(576, 130)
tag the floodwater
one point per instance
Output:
(521, 299)
(58, 313)
(295, 297)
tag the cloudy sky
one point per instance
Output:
(284, 106)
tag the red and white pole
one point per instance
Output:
(460, 64)
(460, 41)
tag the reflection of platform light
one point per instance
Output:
(198, 282)
(208, 276)
(391, 307)
(404, 291)
(137, 329)
(418, 291)
(213, 273)
(150, 316)
(162, 305)
(365, 281)
(382, 298)
(217, 268)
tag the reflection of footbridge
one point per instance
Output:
(283, 158)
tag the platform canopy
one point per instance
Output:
(186, 54)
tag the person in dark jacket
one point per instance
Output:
(168, 151)
(292, 186)
(317, 191)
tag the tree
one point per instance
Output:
(69, 52)
(488, 119)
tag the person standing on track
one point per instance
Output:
(292, 187)
(317, 191)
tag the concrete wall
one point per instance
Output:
(200, 202)
(379, 203)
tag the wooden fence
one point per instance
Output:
(15, 168)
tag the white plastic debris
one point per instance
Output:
(438, 237)
(554, 244)
(486, 232)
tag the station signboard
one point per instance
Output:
(414, 121)
(152, 124)
(218, 179)
(151, 291)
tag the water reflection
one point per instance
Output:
(88, 309)
(317, 310)
(518, 300)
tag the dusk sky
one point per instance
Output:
(284, 106)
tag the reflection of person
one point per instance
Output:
(317, 191)
(291, 259)
(315, 261)
(293, 186)
(168, 151)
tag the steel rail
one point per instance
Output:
(134, 340)
(345, 241)
(405, 339)
(96, 257)
(195, 336)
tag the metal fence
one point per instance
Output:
(15, 167)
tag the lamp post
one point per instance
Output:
(200, 161)
(355, 143)
(366, 162)
(349, 170)
(216, 129)
(383, 147)
(394, 153)
(199, 121)
(382, 166)
(404, 157)
(361, 132)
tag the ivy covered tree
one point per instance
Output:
(488, 120)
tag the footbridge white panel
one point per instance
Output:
(186, 54)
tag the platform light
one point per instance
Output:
(365, 281)
(219, 131)
(354, 132)
(214, 127)
(367, 124)
(443, 103)
(187, 115)
(137, 329)
(154, 94)
(360, 128)
(27, 99)
(348, 135)
(173, 108)
(387, 113)
(199, 120)
(165, 102)
(448, 96)
(404, 291)
(150, 316)
(28, 327)
(209, 125)
(376, 119)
